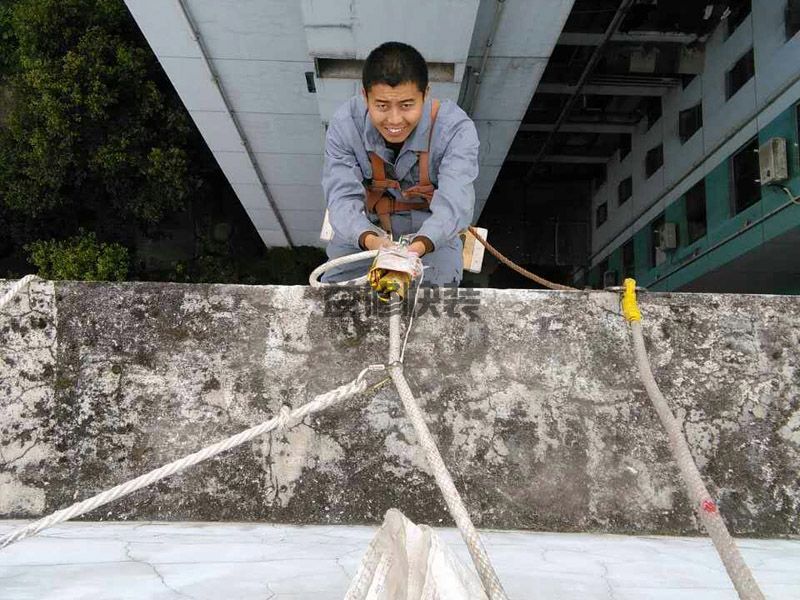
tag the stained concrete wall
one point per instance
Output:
(532, 396)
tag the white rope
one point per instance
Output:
(313, 279)
(15, 289)
(285, 418)
(701, 500)
(455, 505)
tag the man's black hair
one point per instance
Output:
(394, 63)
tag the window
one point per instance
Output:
(624, 145)
(741, 72)
(601, 215)
(653, 160)
(696, 211)
(739, 12)
(657, 256)
(689, 121)
(651, 106)
(792, 18)
(628, 259)
(744, 175)
(624, 191)
(602, 269)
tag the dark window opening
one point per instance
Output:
(792, 18)
(651, 106)
(738, 14)
(686, 79)
(628, 259)
(624, 190)
(689, 121)
(741, 72)
(608, 278)
(656, 254)
(654, 160)
(744, 175)
(601, 215)
(696, 211)
(624, 145)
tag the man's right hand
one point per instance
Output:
(375, 242)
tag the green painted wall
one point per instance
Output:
(724, 229)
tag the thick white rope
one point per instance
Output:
(15, 289)
(313, 279)
(701, 500)
(480, 558)
(284, 419)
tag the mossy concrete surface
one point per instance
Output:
(533, 398)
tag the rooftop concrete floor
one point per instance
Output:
(164, 561)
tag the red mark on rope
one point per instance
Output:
(709, 506)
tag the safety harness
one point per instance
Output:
(382, 203)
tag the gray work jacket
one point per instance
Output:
(453, 164)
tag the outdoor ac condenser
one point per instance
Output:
(772, 161)
(667, 237)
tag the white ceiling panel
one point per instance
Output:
(251, 29)
(286, 134)
(287, 197)
(440, 30)
(164, 27)
(272, 237)
(307, 238)
(303, 220)
(267, 86)
(495, 138)
(298, 197)
(290, 169)
(192, 81)
(237, 167)
(486, 178)
(218, 131)
(507, 88)
(528, 28)
(263, 218)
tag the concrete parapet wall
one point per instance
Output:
(533, 397)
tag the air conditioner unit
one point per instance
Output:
(667, 236)
(772, 161)
(609, 279)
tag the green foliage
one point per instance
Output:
(93, 126)
(79, 258)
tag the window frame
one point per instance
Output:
(649, 168)
(694, 195)
(696, 110)
(628, 182)
(735, 206)
(628, 268)
(729, 91)
(597, 222)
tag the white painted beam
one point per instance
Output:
(633, 37)
(566, 159)
(604, 90)
(612, 128)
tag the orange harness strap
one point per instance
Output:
(383, 204)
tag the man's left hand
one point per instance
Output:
(417, 248)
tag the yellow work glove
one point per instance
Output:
(392, 271)
(385, 282)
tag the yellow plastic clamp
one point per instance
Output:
(629, 307)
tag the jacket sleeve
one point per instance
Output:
(342, 183)
(454, 200)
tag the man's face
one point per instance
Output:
(395, 111)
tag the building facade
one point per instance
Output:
(683, 207)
